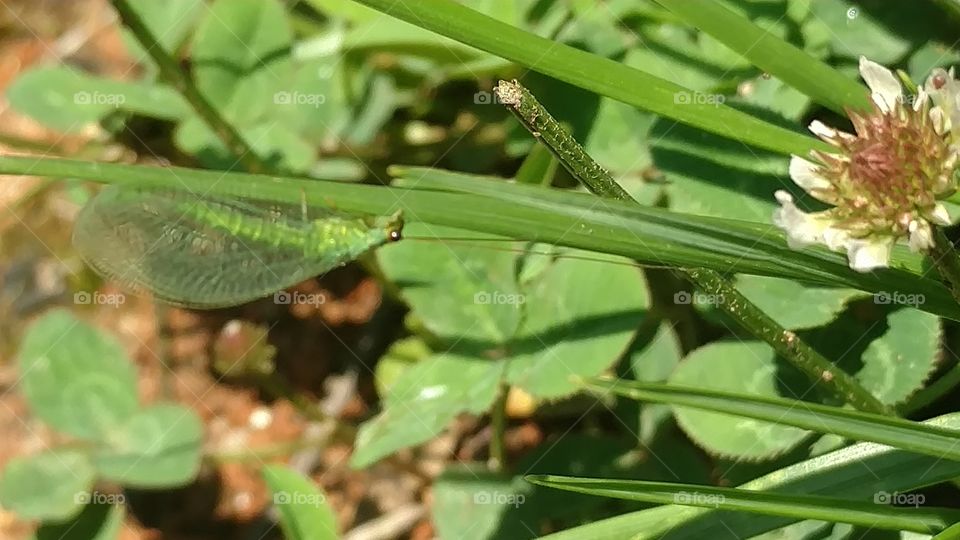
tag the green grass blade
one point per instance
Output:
(858, 472)
(950, 533)
(304, 513)
(847, 423)
(591, 72)
(650, 235)
(781, 59)
(765, 240)
(867, 514)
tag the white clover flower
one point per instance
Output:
(886, 180)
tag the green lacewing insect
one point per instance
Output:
(206, 252)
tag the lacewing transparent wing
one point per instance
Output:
(206, 252)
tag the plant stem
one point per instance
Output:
(171, 72)
(498, 424)
(545, 127)
(945, 258)
(787, 344)
(576, 160)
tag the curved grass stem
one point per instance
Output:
(174, 75)
(594, 177)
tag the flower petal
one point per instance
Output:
(822, 130)
(885, 88)
(802, 229)
(921, 236)
(939, 215)
(920, 99)
(944, 91)
(836, 239)
(865, 255)
(941, 122)
(807, 175)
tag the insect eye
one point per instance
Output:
(395, 236)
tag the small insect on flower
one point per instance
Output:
(885, 181)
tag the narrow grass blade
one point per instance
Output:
(950, 533)
(847, 423)
(591, 72)
(859, 472)
(867, 514)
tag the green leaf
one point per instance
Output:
(158, 447)
(68, 100)
(471, 503)
(619, 138)
(304, 512)
(324, 111)
(76, 378)
(793, 305)
(591, 72)
(461, 297)
(596, 30)
(51, 485)
(673, 143)
(712, 176)
(276, 143)
(854, 32)
(775, 96)
(654, 361)
(95, 522)
(867, 514)
(424, 400)
(896, 364)
(765, 50)
(400, 357)
(801, 414)
(747, 368)
(674, 53)
(241, 56)
(858, 472)
(576, 325)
